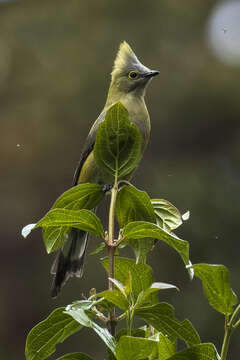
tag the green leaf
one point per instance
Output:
(139, 332)
(54, 237)
(135, 205)
(57, 222)
(82, 304)
(166, 347)
(43, 338)
(167, 215)
(117, 149)
(186, 216)
(141, 229)
(81, 316)
(75, 356)
(115, 297)
(119, 285)
(27, 229)
(129, 285)
(82, 196)
(205, 351)
(80, 219)
(99, 249)
(161, 317)
(142, 277)
(162, 286)
(101, 303)
(144, 296)
(216, 286)
(134, 348)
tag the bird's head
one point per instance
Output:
(129, 74)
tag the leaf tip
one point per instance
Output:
(27, 229)
(186, 216)
(190, 269)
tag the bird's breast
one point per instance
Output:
(138, 115)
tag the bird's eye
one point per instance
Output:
(133, 74)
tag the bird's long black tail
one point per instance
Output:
(69, 261)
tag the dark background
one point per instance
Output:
(55, 61)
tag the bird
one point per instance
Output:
(129, 80)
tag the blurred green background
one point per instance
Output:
(55, 61)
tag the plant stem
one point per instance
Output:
(225, 345)
(112, 317)
(111, 227)
(129, 320)
(229, 327)
(111, 251)
(234, 315)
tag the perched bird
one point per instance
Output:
(129, 80)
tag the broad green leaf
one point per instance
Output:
(115, 297)
(82, 196)
(139, 332)
(135, 205)
(57, 222)
(129, 285)
(140, 229)
(205, 351)
(142, 277)
(79, 304)
(144, 295)
(134, 348)
(80, 219)
(81, 316)
(75, 356)
(55, 236)
(163, 286)
(161, 317)
(168, 216)
(82, 304)
(216, 286)
(99, 249)
(117, 149)
(166, 347)
(119, 285)
(43, 338)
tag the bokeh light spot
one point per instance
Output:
(224, 32)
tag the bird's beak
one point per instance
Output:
(151, 73)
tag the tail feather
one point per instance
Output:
(69, 261)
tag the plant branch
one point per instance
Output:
(229, 328)
(226, 340)
(234, 315)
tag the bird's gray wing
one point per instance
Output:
(88, 147)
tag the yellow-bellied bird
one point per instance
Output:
(128, 85)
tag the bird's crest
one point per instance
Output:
(125, 59)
